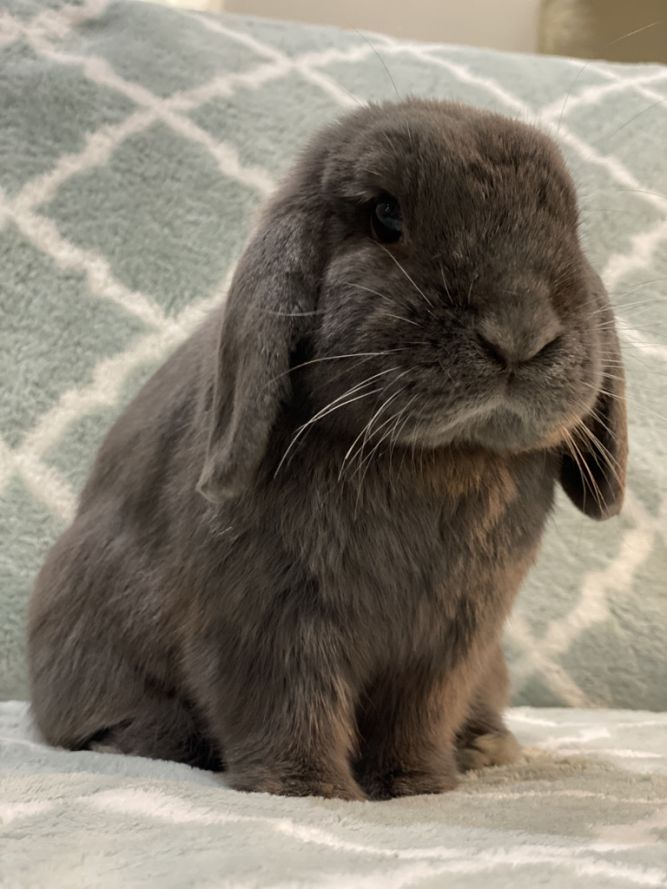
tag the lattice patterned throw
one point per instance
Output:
(135, 143)
(586, 808)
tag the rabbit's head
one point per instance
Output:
(420, 276)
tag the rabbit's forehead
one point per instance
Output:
(413, 158)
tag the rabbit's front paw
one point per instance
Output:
(335, 787)
(493, 749)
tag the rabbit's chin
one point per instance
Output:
(498, 429)
(507, 432)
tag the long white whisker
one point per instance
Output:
(366, 429)
(382, 296)
(364, 287)
(401, 318)
(411, 280)
(588, 475)
(604, 452)
(336, 358)
(400, 425)
(444, 282)
(369, 426)
(325, 411)
(367, 460)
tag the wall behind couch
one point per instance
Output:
(616, 30)
(510, 24)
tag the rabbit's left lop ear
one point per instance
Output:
(594, 479)
(275, 286)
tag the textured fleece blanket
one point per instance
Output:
(135, 144)
(587, 807)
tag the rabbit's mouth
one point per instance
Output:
(513, 414)
(532, 405)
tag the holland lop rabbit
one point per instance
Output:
(297, 546)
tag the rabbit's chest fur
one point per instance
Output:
(414, 561)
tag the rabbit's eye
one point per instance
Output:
(386, 221)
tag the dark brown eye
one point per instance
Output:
(386, 220)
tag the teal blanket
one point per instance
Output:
(587, 807)
(135, 144)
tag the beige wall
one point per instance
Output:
(502, 24)
(620, 30)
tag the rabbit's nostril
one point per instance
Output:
(510, 350)
(494, 351)
(547, 348)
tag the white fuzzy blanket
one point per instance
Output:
(587, 807)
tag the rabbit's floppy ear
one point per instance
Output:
(594, 466)
(274, 287)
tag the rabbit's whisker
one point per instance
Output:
(657, 194)
(400, 318)
(392, 440)
(588, 479)
(614, 132)
(382, 407)
(407, 275)
(381, 60)
(345, 369)
(648, 328)
(336, 358)
(593, 412)
(382, 296)
(648, 301)
(599, 447)
(383, 424)
(590, 62)
(366, 430)
(406, 417)
(293, 314)
(397, 429)
(582, 427)
(621, 398)
(367, 289)
(444, 282)
(368, 459)
(333, 405)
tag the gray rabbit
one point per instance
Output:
(297, 547)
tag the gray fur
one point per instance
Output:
(326, 618)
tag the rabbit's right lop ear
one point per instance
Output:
(274, 288)
(593, 469)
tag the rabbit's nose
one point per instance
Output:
(509, 347)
